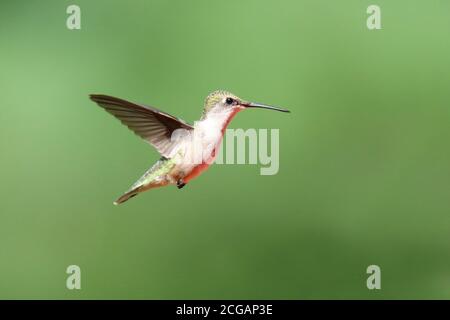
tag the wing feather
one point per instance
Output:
(153, 125)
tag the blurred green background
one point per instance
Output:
(364, 156)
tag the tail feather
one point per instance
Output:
(126, 196)
(151, 179)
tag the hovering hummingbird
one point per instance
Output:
(175, 139)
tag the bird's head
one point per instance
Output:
(224, 102)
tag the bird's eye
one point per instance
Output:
(229, 101)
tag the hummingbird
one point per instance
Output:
(176, 140)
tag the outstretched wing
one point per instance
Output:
(151, 124)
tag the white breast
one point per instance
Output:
(204, 139)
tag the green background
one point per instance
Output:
(364, 156)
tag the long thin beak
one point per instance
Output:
(262, 106)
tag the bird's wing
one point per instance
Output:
(151, 124)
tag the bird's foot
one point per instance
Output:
(180, 183)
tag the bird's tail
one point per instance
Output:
(136, 190)
(150, 179)
(126, 196)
